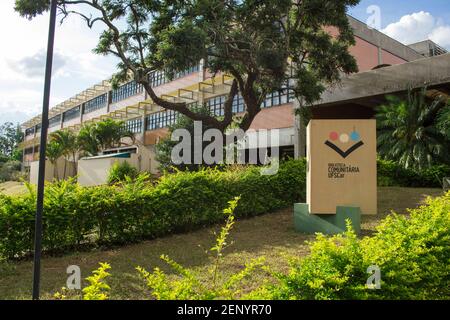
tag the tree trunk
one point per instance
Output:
(65, 167)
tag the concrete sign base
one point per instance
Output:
(305, 222)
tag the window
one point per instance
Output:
(134, 125)
(216, 105)
(29, 150)
(38, 128)
(95, 104)
(186, 72)
(125, 91)
(54, 121)
(161, 119)
(158, 78)
(276, 98)
(71, 114)
(29, 131)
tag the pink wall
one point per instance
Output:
(389, 58)
(366, 53)
(274, 118)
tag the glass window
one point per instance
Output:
(54, 121)
(29, 131)
(134, 125)
(95, 104)
(71, 114)
(125, 91)
(162, 119)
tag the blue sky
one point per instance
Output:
(22, 62)
(393, 10)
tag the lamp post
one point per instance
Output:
(42, 151)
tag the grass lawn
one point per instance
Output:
(270, 235)
(13, 188)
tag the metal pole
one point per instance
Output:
(42, 151)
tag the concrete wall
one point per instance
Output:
(52, 172)
(94, 172)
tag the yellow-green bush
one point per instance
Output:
(137, 210)
(412, 253)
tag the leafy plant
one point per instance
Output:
(188, 285)
(261, 44)
(97, 289)
(412, 253)
(120, 171)
(411, 132)
(138, 209)
(391, 173)
(68, 144)
(54, 151)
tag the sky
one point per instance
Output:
(23, 45)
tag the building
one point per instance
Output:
(130, 103)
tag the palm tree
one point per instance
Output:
(409, 130)
(87, 140)
(68, 141)
(102, 135)
(54, 151)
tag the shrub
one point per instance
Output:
(136, 210)
(10, 170)
(120, 171)
(188, 285)
(392, 174)
(413, 255)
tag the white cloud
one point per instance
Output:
(419, 26)
(22, 62)
(34, 66)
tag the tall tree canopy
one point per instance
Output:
(260, 43)
(10, 137)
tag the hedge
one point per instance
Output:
(179, 202)
(412, 253)
(391, 174)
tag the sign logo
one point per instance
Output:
(345, 138)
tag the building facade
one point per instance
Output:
(150, 122)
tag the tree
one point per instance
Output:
(54, 151)
(105, 134)
(165, 146)
(67, 140)
(411, 131)
(261, 44)
(87, 140)
(10, 137)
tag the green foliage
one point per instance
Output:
(136, 210)
(413, 255)
(391, 173)
(10, 137)
(120, 171)
(97, 289)
(188, 285)
(10, 170)
(165, 146)
(102, 135)
(412, 131)
(262, 44)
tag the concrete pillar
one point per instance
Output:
(299, 133)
